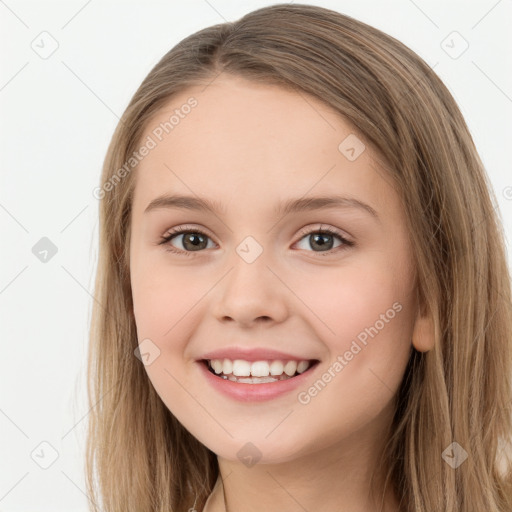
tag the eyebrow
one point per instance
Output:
(282, 209)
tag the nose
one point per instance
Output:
(251, 293)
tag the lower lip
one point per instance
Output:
(245, 392)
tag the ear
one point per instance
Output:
(423, 333)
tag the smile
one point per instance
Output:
(250, 388)
(257, 372)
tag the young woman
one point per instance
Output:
(302, 297)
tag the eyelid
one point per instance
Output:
(187, 228)
(183, 229)
(327, 229)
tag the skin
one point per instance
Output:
(250, 146)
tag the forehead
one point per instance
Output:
(235, 137)
(234, 112)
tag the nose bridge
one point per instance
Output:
(250, 290)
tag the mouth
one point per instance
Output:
(258, 372)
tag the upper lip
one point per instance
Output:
(252, 354)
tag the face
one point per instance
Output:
(251, 276)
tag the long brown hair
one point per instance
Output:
(139, 457)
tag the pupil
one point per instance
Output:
(194, 238)
(320, 240)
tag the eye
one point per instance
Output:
(322, 239)
(194, 239)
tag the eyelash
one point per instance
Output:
(165, 240)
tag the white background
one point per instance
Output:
(57, 117)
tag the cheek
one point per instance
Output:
(350, 299)
(166, 313)
(165, 301)
(364, 315)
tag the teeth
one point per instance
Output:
(241, 368)
(216, 364)
(302, 366)
(258, 368)
(290, 368)
(227, 367)
(276, 368)
(254, 380)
